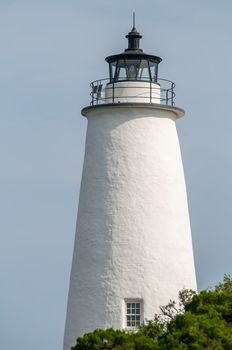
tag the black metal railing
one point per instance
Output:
(161, 92)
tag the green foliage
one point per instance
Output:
(173, 308)
(158, 326)
(154, 328)
(226, 286)
(114, 339)
(206, 323)
(195, 322)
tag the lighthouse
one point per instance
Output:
(133, 247)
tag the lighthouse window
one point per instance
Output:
(144, 72)
(154, 70)
(133, 313)
(120, 73)
(132, 68)
(112, 70)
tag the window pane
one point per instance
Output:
(153, 68)
(132, 67)
(133, 315)
(112, 69)
(144, 73)
(120, 73)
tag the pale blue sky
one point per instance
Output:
(50, 52)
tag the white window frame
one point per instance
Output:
(133, 301)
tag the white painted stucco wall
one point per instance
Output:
(133, 236)
(132, 91)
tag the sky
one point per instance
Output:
(50, 51)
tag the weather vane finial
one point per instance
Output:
(134, 19)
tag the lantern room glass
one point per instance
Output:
(133, 69)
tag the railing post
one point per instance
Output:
(150, 92)
(167, 97)
(172, 94)
(97, 93)
(92, 93)
(113, 91)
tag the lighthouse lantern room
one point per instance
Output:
(133, 63)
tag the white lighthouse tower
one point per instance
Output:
(133, 249)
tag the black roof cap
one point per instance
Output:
(133, 50)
